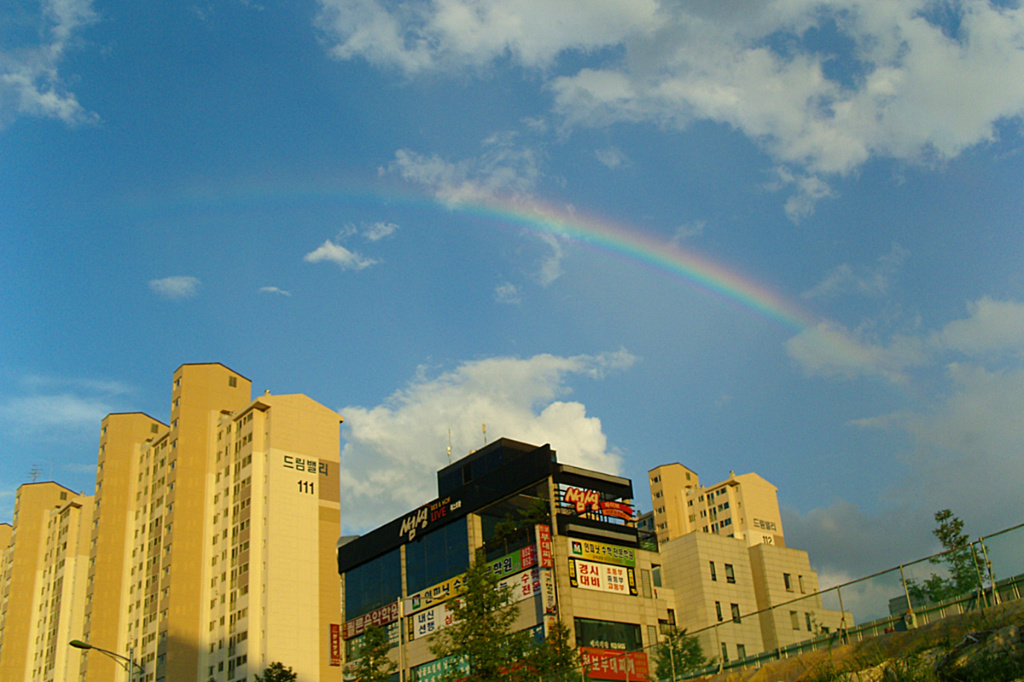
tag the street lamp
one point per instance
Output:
(127, 662)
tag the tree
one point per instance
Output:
(482, 639)
(481, 633)
(277, 672)
(958, 557)
(374, 664)
(678, 655)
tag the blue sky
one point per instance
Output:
(351, 199)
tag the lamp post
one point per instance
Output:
(127, 662)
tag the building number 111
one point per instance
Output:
(306, 487)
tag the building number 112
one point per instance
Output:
(306, 487)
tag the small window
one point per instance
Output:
(718, 611)
(714, 575)
(735, 608)
(809, 621)
(794, 620)
(232, 381)
(730, 576)
(786, 578)
(725, 653)
(741, 651)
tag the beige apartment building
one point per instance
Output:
(207, 552)
(724, 554)
(42, 579)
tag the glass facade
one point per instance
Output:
(374, 584)
(437, 556)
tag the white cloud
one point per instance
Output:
(503, 170)
(274, 290)
(688, 231)
(993, 326)
(830, 350)
(551, 266)
(871, 281)
(175, 288)
(339, 255)
(30, 82)
(416, 37)
(393, 450)
(897, 80)
(613, 157)
(507, 293)
(963, 437)
(50, 403)
(379, 230)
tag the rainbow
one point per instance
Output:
(531, 215)
(642, 248)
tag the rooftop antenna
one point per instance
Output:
(34, 473)
(449, 446)
(484, 427)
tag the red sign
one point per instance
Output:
(609, 664)
(583, 501)
(546, 558)
(335, 644)
(382, 616)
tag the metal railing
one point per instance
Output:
(899, 598)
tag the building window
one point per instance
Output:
(730, 576)
(810, 624)
(714, 575)
(788, 581)
(741, 651)
(794, 620)
(800, 579)
(437, 556)
(718, 611)
(735, 608)
(232, 382)
(725, 653)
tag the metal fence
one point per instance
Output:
(906, 596)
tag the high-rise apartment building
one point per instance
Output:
(43, 572)
(744, 507)
(207, 552)
(724, 554)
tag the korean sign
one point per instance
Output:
(546, 552)
(434, 595)
(603, 577)
(598, 551)
(515, 561)
(609, 664)
(382, 616)
(431, 620)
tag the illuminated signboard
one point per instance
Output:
(590, 575)
(598, 551)
(544, 548)
(584, 501)
(428, 514)
(335, 644)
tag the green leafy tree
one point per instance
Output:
(679, 655)
(555, 659)
(374, 664)
(481, 638)
(481, 634)
(277, 672)
(958, 557)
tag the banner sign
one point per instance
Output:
(546, 553)
(602, 577)
(609, 664)
(434, 595)
(606, 554)
(382, 616)
(515, 562)
(524, 585)
(547, 590)
(430, 621)
(335, 644)
(584, 501)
